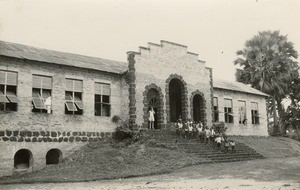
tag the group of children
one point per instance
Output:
(190, 129)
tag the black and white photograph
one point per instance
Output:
(149, 94)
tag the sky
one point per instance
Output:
(214, 29)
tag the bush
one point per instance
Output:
(220, 127)
(116, 119)
(122, 132)
(126, 131)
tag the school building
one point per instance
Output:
(52, 103)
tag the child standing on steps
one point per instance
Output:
(207, 134)
(232, 145)
(219, 142)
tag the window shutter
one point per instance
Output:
(12, 97)
(38, 103)
(77, 85)
(2, 77)
(46, 82)
(36, 82)
(69, 85)
(97, 88)
(3, 98)
(71, 106)
(11, 78)
(106, 89)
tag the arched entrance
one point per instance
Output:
(153, 97)
(53, 156)
(176, 100)
(23, 159)
(197, 100)
(198, 108)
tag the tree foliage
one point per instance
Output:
(268, 63)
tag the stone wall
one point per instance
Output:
(236, 128)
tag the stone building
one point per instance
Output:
(52, 103)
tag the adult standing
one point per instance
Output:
(151, 118)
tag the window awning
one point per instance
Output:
(3, 98)
(78, 102)
(71, 106)
(12, 97)
(38, 103)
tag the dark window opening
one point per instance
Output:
(73, 97)
(255, 117)
(242, 112)
(102, 104)
(39, 97)
(216, 110)
(228, 115)
(73, 103)
(254, 113)
(41, 94)
(8, 98)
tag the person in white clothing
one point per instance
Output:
(151, 118)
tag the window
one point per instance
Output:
(102, 99)
(73, 97)
(8, 91)
(242, 112)
(254, 113)
(216, 110)
(228, 111)
(41, 94)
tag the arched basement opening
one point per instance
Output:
(176, 97)
(23, 159)
(53, 156)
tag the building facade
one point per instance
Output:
(52, 103)
(242, 108)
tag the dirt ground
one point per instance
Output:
(270, 173)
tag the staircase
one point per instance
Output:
(207, 151)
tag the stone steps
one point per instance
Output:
(208, 151)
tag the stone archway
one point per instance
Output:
(176, 98)
(153, 97)
(198, 107)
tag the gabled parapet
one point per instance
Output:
(169, 46)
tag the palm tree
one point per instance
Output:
(268, 64)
